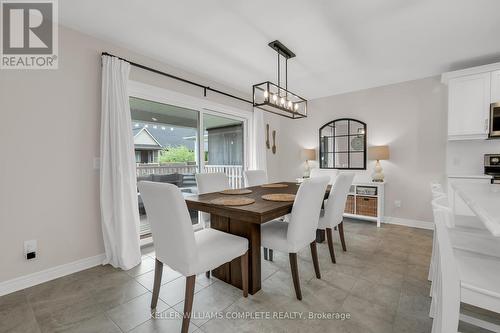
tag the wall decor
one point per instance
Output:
(342, 144)
(274, 142)
(268, 144)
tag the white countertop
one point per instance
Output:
(471, 176)
(484, 201)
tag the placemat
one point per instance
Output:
(237, 191)
(276, 185)
(234, 201)
(282, 197)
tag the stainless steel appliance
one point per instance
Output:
(495, 120)
(492, 167)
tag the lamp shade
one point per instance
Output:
(309, 154)
(378, 153)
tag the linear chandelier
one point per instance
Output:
(273, 98)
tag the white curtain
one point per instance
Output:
(259, 141)
(118, 190)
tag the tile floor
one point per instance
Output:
(381, 282)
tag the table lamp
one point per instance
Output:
(378, 153)
(308, 155)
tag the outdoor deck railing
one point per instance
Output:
(148, 169)
(234, 172)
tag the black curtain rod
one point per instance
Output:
(205, 88)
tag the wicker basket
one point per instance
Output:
(349, 205)
(366, 206)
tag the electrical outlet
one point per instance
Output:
(397, 203)
(30, 248)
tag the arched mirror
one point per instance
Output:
(342, 145)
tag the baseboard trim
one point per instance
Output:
(52, 273)
(409, 222)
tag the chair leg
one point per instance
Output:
(341, 233)
(244, 274)
(329, 238)
(156, 283)
(270, 254)
(314, 255)
(266, 257)
(207, 274)
(188, 302)
(295, 274)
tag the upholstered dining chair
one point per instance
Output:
(178, 246)
(210, 182)
(461, 239)
(255, 177)
(468, 232)
(300, 231)
(466, 238)
(317, 172)
(461, 276)
(333, 214)
(207, 183)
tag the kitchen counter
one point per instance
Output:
(471, 176)
(483, 200)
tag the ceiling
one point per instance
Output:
(341, 45)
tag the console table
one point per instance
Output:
(366, 201)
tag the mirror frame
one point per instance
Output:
(321, 152)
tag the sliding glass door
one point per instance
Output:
(174, 143)
(224, 147)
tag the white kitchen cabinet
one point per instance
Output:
(495, 86)
(468, 106)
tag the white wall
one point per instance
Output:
(49, 137)
(410, 117)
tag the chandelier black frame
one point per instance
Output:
(272, 97)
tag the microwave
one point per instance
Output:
(495, 120)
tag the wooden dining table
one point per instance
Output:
(244, 221)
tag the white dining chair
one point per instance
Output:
(290, 237)
(178, 246)
(471, 241)
(462, 276)
(333, 214)
(331, 173)
(210, 182)
(464, 226)
(255, 177)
